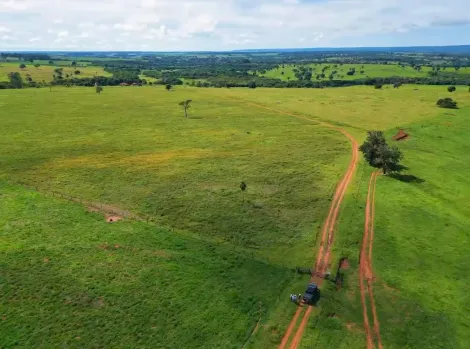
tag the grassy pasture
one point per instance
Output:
(370, 70)
(421, 245)
(422, 219)
(358, 108)
(131, 147)
(69, 279)
(46, 72)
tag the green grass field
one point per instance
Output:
(69, 279)
(370, 70)
(46, 72)
(133, 149)
(422, 219)
(233, 253)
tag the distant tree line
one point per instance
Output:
(24, 56)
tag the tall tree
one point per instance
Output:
(98, 88)
(186, 105)
(370, 148)
(379, 154)
(387, 158)
(16, 81)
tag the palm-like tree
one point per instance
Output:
(186, 105)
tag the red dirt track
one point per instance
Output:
(327, 236)
(365, 269)
(324, 255)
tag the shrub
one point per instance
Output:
(378, 86)
(451, 89)
(447, 103)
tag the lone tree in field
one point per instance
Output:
(186, 105)
(448, 103)
(451, 89)
(379, 154)
(22, 66)
(168, 87)
(375, 139)
(98, 88)
(37, 65)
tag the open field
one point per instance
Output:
(421, 219)
(69, 279)
(358, 108)
(409, 210)
(420, 246)
(133, 149)
(370, 70)
(46, 72)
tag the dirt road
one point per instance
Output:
(327, 236)
(366, 276)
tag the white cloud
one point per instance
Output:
(8, 38)
(35, 39)
(217, 24)
(16, 5)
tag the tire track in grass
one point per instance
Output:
(324, 255)
(292, 324)
(365, 268)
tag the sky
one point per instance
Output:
(198, 25)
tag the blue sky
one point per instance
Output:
(158, 25)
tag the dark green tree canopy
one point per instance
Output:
(448, 103)
(379, 154)
(16, 81)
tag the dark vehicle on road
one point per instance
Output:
(312, 294)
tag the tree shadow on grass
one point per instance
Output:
(406, 178)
